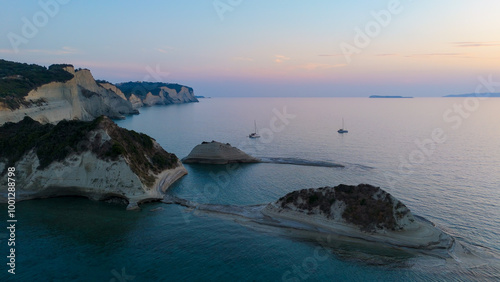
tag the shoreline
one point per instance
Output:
(426, 238)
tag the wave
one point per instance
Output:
(298, 161)
(250, 211)
(463, 259)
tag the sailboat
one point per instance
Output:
(342, 130)
(254, 134)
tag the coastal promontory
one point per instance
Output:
(95, 159)
(49, 95)
(142, 93)
(59, 92)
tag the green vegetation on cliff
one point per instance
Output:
(17, 80)
(53, 143)
(362, 206)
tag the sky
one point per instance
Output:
(315, 48)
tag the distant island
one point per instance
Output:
(378, 96)
(473, 95)
(201, 97)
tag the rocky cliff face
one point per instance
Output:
(156, 93)
(135, 101)
(113, 88)
(78, 98)
(96, 159)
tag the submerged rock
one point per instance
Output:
(218, 153)
(96, 159)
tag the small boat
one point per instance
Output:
(342, 130)
(254, 134)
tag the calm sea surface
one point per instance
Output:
(444, 165)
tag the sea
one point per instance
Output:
(439, 156)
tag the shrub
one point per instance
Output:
(56, 142)
(313, 199)
(361, 208)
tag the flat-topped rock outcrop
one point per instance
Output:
(217, 153)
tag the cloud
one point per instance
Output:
(444, 55)
(165, 49)
(281, 58)
(313, 66)
(245, 59)
(63, 51)
(69, 50)
(330, 55)
(386, 55)
(476, 44)
(121, 66)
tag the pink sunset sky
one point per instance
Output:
(266, 48)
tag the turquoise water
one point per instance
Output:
(454, 183)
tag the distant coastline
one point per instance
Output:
(378, 96)
(59, 92)
(496, 95)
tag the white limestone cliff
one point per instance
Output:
(168, 96)
(78, 98)
(113, 88)
(88, 170)
(156, 93)
(135, 101)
